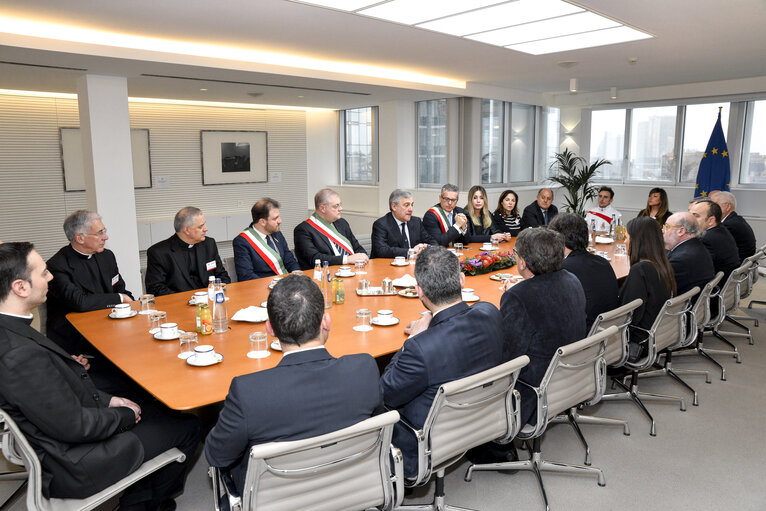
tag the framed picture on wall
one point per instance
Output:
(72, 159)
(234, 157)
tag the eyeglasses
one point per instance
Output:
(669, 226)
(99, 234)
(451, 201)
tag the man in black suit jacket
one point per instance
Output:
(398, 231)
(186, 260)
(544, 311)
(261, 250)
(716, 238)
(445, 222)
(737, 225)
(691, 262)
(450, 342)
(308, 393)
(540, 212)
(326, 236)
(594, 272)
(85, 439)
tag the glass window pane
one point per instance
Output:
(753, 168)
(551, 138)
(698, 127)
(491, 141)
(360, 158)
(607, 141)
(522, 142)
(652, 134)
(432, 142)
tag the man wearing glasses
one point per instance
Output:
(445, 222)
(691, 262)
(85, 278)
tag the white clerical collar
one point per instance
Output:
(84, 255)
(30, 316)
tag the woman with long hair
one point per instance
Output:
(651, 278)
(657, 206)
(480, 221)
(506, 216)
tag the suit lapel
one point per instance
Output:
(27, 331)
(77, 264)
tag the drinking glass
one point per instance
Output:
(458, 248)
(147, 304)
(156, 318)
(187, 344)
(363, 319)
(359, 268)
(259, 345)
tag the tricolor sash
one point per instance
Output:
(442, 217)
(267, 253)
(606, 218)
(328, 230)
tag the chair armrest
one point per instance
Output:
(397, 478)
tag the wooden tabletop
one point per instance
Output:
(156, 367)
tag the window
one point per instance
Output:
(551, 120)
(492, 129)
(359, 151)
(652, 144)
(607, 141)
(753, 166)
(698, 125)
(522, 150)
(432, 142)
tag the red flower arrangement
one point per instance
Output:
(486, 262)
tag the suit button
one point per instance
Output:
(95, 397)
(84, 375)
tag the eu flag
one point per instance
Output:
(714, 172)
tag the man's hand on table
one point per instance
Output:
(117, 402)
(415, 327)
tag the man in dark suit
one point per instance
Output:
(85, 439)
(326, 236)
(737, 225)
(186, 260)
(261, 250)
(544, 311)
(716, 238)
(540, 212)
(691, 262)
(445, 222)
(308, 393)
(594, 272)
(398, 231)
(451, 341)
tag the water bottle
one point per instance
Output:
(613, 226)
(318, 272)
(220, 317)
(592, 237)
(211, 288)
(327, 286)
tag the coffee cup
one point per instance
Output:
(468, 292)
(344, 269)
(169, 330)
(487, 246)
(200, 297)
(400, 260)
(204, 354)
(121, 310)
(385, 316)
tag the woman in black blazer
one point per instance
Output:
(483, 229)
(657, 206)
(506, 216)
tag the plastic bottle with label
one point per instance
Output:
(327, 285)
(318, 272)
(211, 288)
(220, 316)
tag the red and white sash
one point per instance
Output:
(605, 218)
(328, 230)
(442, 217)
(267, 253)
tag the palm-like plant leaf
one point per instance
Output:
(574, 174)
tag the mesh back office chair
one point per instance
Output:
(574, 375)
(753, 315)
(35, 499)
(465, 413)
(228, 265)
(729, 302)
(347, 469)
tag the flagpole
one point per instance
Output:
(719, 109)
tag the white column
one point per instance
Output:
(396, 149)
(108, 163)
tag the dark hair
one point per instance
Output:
(262, 209)
(437, 271)
(13, 265)
(295, 308)
(607, 189)
(573, 228)
(647, 244)
(485, 220)
(713, 209)
(647, 211)
(501, 210)
(542, 249)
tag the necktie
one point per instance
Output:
(404, 236)
(270, 241)
(545, 217)
(449, 218)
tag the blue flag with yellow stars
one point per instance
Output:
(714, 172)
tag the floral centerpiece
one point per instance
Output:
(486, 262)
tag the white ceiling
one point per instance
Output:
(695, 41)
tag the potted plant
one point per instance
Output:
(574, 174)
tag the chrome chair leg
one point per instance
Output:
(438, 503)
(631, 393)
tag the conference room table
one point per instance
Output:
(155, 365)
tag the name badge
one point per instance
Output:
(115, 279)
(210, 266)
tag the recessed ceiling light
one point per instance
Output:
(203, 89)
(554, 27)
(577, 41)
(410, 13)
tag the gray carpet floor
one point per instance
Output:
(710, 457)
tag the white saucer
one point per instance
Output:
(394, 263)
(258, 354)
(192, 361)
(275, 345)
(145, 313)
(158, 337)
(193, 302)
(488, 248)
(132, 313)
(263, 304)
(377, 322)
(363, 328)
(471, 298)
(349, 274)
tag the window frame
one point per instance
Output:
(421, 184)
(342, 125)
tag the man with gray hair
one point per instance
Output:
(691, 262)
(325, 235)
(737, 225)
(445, 222)
(398, 231)
(186, 260)
(451, 341)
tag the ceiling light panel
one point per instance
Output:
(587, 40)
(501, 16)
(546, 29)
(411, 13)
(343, 5)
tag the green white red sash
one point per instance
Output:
(328, 230)
(442, 217)
(267, 253)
